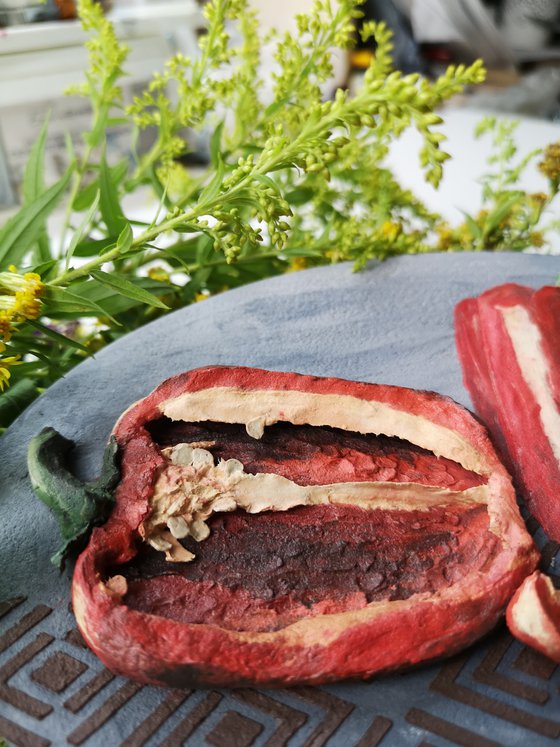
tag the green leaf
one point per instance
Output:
(77, 506)
(97, 134)
(267, 181)
(33, 187)
(114, 303)
(500, 212)
(212, 189)
(301, 251)
(44, 268)
(473, 227)
(215, 144)
(93, 247)
(63, 304)
(124, 242)
(24, 228)
(299, 196)
(204, 250)
(111, 210)
(16, 399)
(33, 183)
(56, 336)
(126, 288)
(80, 232)
(85, 197)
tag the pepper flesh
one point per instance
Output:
(533, 615)
(508, 341)
(381, 635)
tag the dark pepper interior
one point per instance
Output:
(310, 455)
(261, 572)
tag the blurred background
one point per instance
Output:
(42, 52)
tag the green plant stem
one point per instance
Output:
(77, 182)
(153, 155)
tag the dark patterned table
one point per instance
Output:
(392, 324)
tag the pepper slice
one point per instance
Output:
(274, 529)
(533, 614)
(507, 340)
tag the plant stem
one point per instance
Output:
(77, 181)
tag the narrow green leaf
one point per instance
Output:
(82, 229)
(267, 181)
(204, 250)
(56, 336)
(473, 226)
(114, 303)
(299, 196)
(85, 197)
(93, 247)
(96, 135)
(215, 144)
(23, 228)
(301, 251)
(109, 201)
(44, 268)
(15, 399)
(501, 211)
(33, 183)
(69, 145)
(124, 242)
(212, 189)
(63, 304)
(126, 288)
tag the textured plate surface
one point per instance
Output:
(390, 324)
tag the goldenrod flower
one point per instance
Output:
(445, 236)
(550, 165)
(297, 264)
(159, 273)
(5, 364)
(536, 238)
(19, 299)
(5, 326)
(390, 230)
(537, 199)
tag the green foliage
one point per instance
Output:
(294, 182)
(509, 218)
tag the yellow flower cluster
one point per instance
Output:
(550, 165)
(19, 299)
(5, 364)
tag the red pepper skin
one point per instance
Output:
(380, 637)
(533, 615)
(502, 397)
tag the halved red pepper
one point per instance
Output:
(274, 529)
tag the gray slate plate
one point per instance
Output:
(391, 324)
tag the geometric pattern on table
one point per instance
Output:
(42, 676)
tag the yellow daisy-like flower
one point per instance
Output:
(159, 273)
(550, 165)
(19, 299)
(536, 238)
(390, 230)
(5, 326)
(297, 264)
(5, 363)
